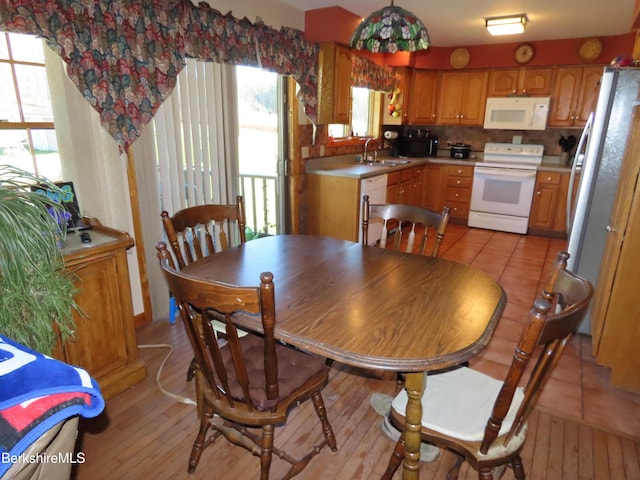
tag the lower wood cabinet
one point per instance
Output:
(405, 186)
(105, 340)
(448, 185)
(549, 208)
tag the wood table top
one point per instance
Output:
(366, 306)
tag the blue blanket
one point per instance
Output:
(36, 393)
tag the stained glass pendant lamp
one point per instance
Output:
(390, 30)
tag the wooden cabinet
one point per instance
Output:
(462, 98)
(525, 81)
(432, 191)
(549, 208)
(405, 186)
(334, 84)
(105, 340)
(457, 190)
(333, 206)
(574, 95)
(615, 309)
(424, 95)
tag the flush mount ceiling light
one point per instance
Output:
(507, 25)
(390, 30)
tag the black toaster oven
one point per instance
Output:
(417, 147)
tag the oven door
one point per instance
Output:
(504, 191)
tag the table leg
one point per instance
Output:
(414, 385)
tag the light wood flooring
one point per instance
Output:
(581, 429)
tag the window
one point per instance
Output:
(27, 134)
(364, 109)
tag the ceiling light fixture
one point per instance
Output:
(390, 30)
(507, 25)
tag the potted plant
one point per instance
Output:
(37, 296)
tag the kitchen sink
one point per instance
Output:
(386, 163)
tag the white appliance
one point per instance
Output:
(516, 113)
(376, 188)
(605, 139)
(503, 186)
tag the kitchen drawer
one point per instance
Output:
(393, 178)
(454, 194)
(462, 182)
(552, 178)
(458, 209)
(460, 171)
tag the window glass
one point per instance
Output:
(9, 105)
(362, 111)
(35, 100)
(27, 134)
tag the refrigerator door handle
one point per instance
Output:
(572, 178)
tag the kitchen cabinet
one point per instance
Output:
(424, 96)
(105, 340)
(334, 84)
(333, 206)
(549, 207)
(458, 180)
(405, 186)
(432, 191)
(574, 95)
(462, 98)
(524, 81)
(615, 309)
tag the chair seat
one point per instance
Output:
(295, 368)
(458, 403)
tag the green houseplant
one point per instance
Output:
(37, 296)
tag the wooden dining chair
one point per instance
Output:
(484, 420)
(403, 223)
(250, 381)
(196, 232)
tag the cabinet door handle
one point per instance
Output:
(611, 229)
(538, 193)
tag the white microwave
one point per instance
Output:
(516, 113)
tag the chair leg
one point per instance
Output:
(321, 411)
(198, 444)
(518, 468)
(485, 473)
(266, 451)
(395, 460)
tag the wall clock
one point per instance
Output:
(524, 53)
(590, 49)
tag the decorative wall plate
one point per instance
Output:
(590, 49)
(524, 53)
(459, 58)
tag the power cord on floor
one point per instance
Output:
(179, 398)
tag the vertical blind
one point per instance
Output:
(187, 156)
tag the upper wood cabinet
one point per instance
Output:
(462, 98)
(574, 95)
(424, 95)
(334, 84)
(520, 81)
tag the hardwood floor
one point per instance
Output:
(581, 429)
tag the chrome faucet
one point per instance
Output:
(364, 154)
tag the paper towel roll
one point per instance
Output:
(389, 135)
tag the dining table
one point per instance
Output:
(368, 307)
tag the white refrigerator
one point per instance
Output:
(598, 159)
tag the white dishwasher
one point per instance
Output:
(376, 188)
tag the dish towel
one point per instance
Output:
(36, 393)
(382, 405)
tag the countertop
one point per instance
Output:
(345, 165)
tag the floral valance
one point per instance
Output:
(367, 74)
(124, 55)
